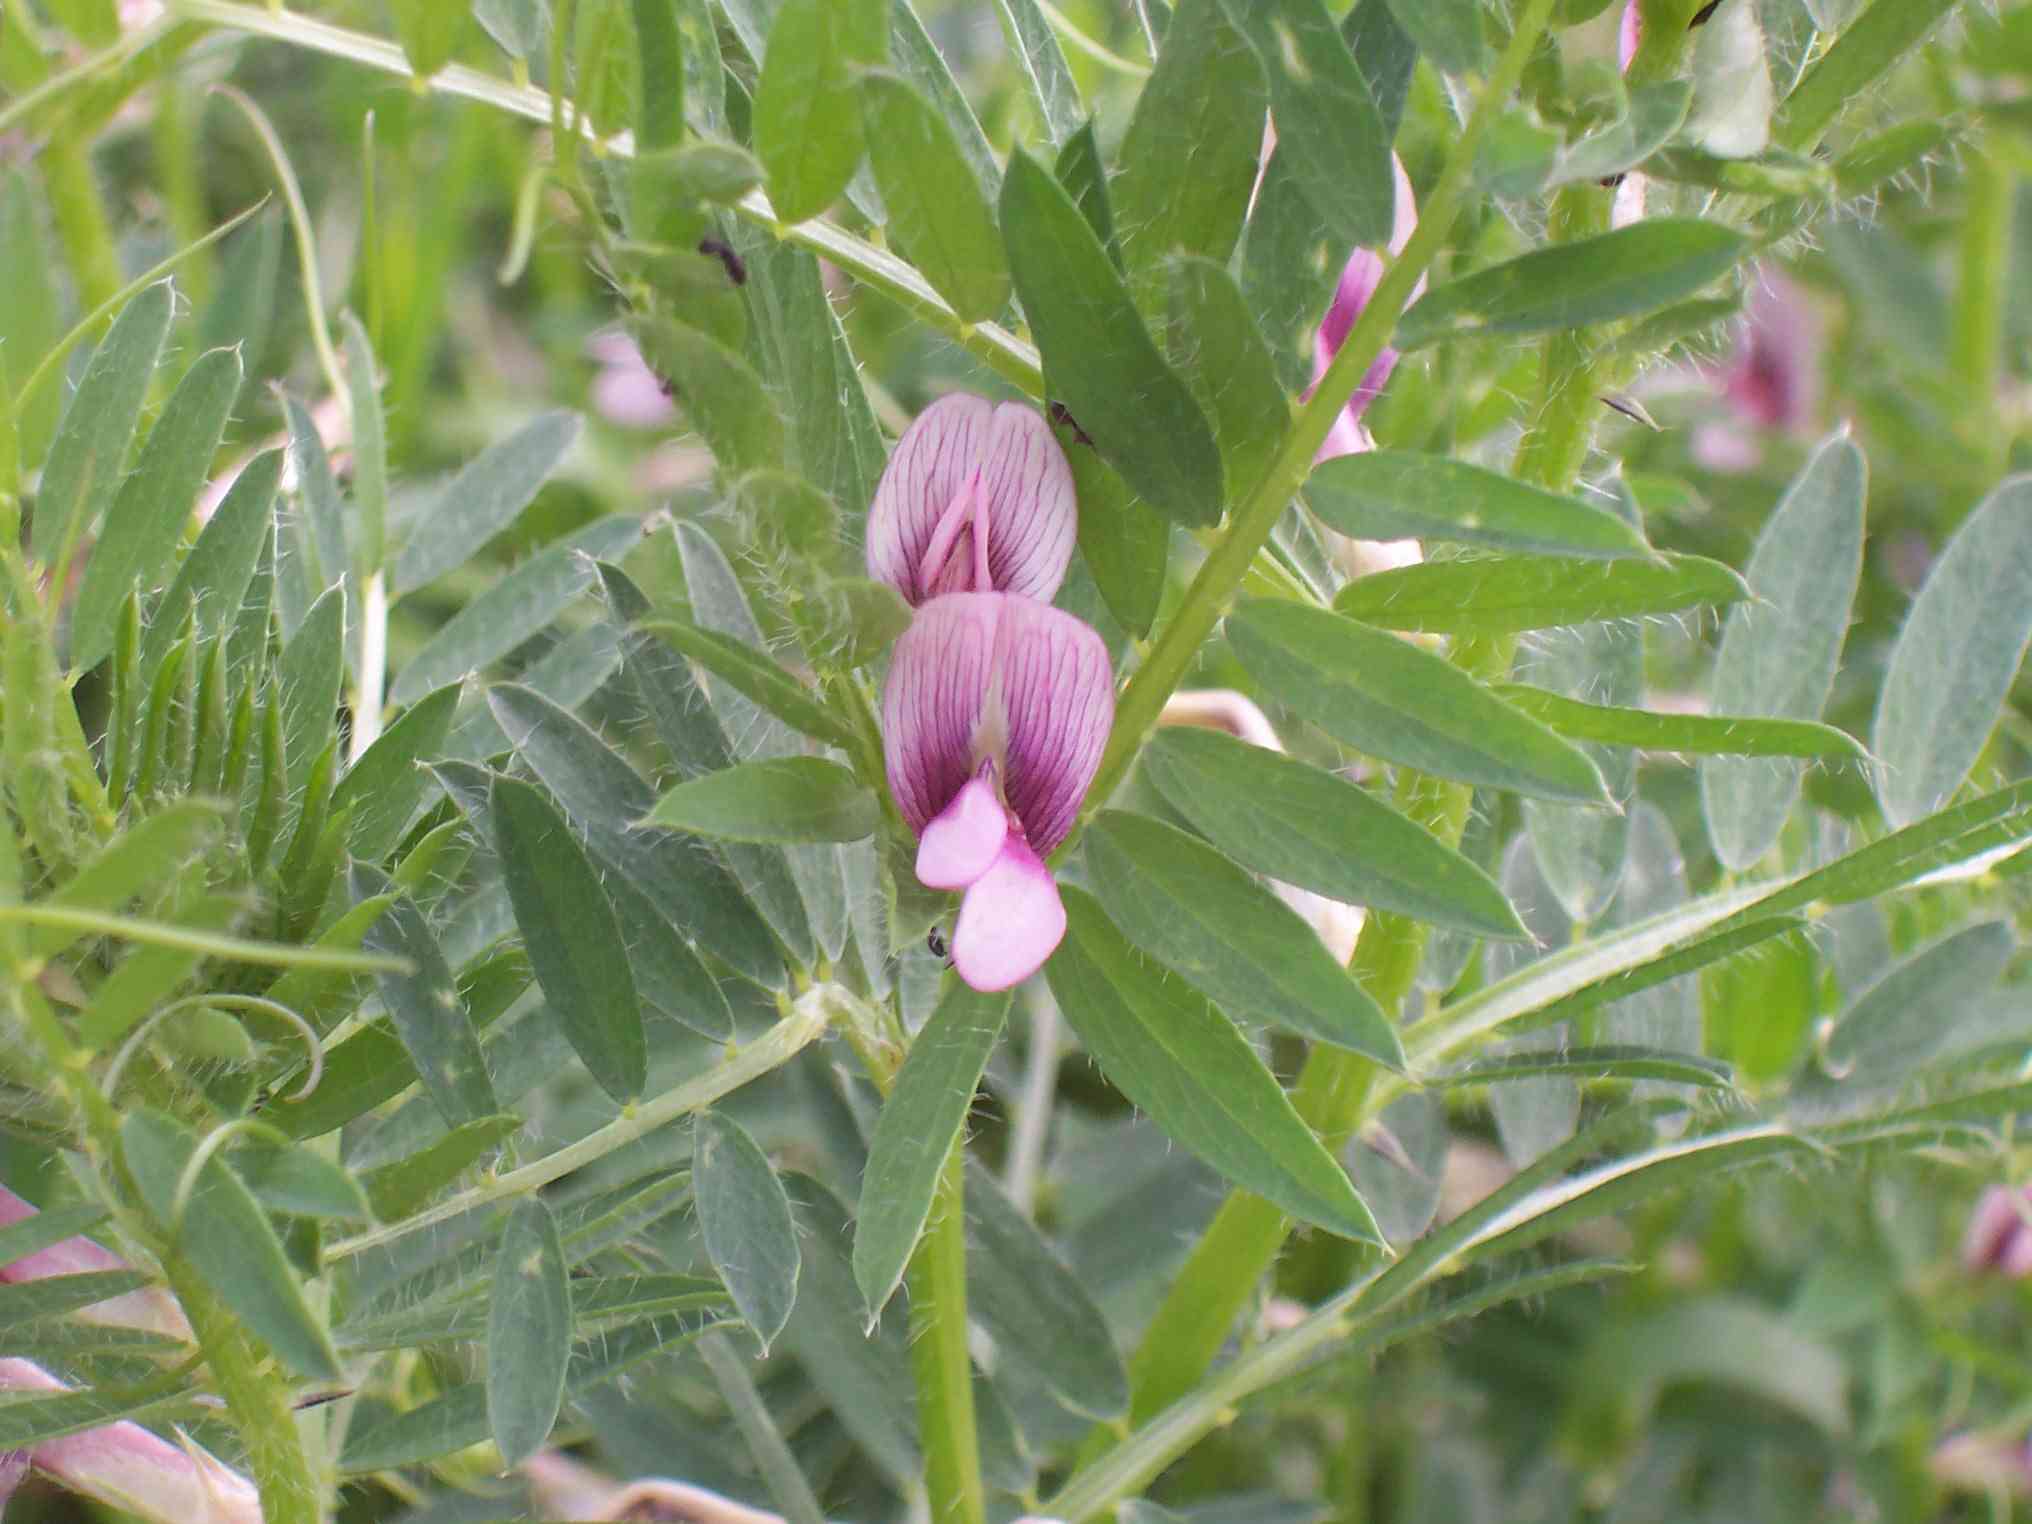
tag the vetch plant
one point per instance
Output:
(1516, 1027)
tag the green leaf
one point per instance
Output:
(521, 27)
(518, 606)
(1732, 98)
(1449, 32)
(1609, 1061)
(865, 1379)
(1718, 1341)
(31, 321)
(310, 671)
(1188, 159)
(1085, 178)
(604, 798)
(1506, 594)
(1393, 700)
(285, 1178)
(1099, 359)
(163, 844)
(1176, 1057)
(29, 1421)
(402, 1185)
(1124, 541)
(430, 32)
(1781, 649)
(1654, 115)
(52, 1225)
(1213, 341)
(1039, 1313)
(1697, 734)
(574, 941)
(85, 462)
(1892, 1031)
(387, 786)
(370, 448)
(753, 675)
(719, 391)
(459, 1419)
(596, 1300)
(916, 1134)
(1312, 828)
(782, 799)
(807, 122)
(691, 733)
(220, 1229)
(487, 495)
(1053, 91)
(154, 503)
(57, 1296)
(1619, 274)
(918, 59)
(529, 1332)
(938, 217)
(659, 115)
(1220, 930)
(428, 1013)
(1955, 659)
(214, 578)
(1876, 40)
(744, 1218)
(1402, 494)
(314, 536)
(1326, 115)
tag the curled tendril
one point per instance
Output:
(216, 1139)
(313, 1045)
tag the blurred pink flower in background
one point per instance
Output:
(1771, 380)
(120, 1464)
(1999, 1235)
(626, 391)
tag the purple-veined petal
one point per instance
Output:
(932, 704)
(1058, 704)
(1359, 279)
(1026, 501)
(1629, 35)
(1010, 921)
(963, 841)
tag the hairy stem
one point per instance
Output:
(939, 1358)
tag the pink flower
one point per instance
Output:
(1998, 1237)
(977, 496)
(1772, 379)
(626, 391)
(994, 717)
(1359, 279)
(119, 1464)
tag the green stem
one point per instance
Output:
(257, 1400)
(1207, 599)
(809, 1017)
(1976, 352)
(778, 1466)
(80, 215)
(938, 1355)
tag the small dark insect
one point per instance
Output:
(1062, 415)
(737, 268)
(1610, 182)
(1703, 13)
(935, 940)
